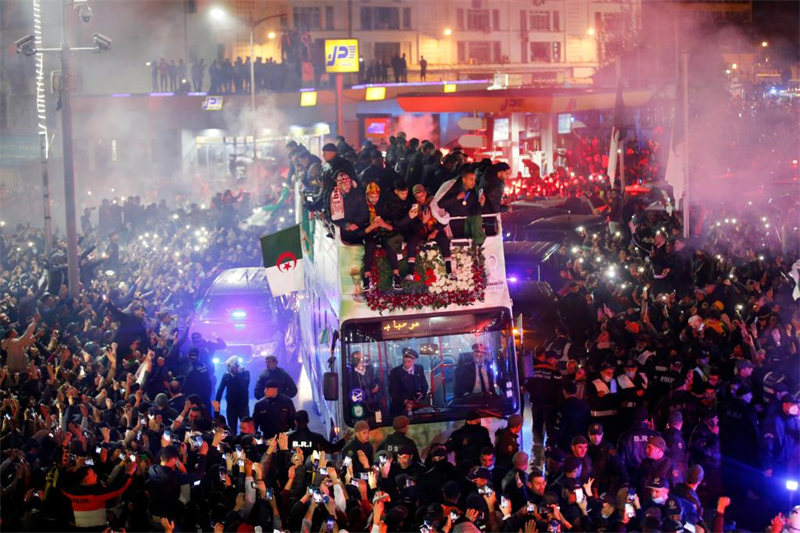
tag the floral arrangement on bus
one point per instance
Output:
(431, 286)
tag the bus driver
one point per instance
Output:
(407, 385)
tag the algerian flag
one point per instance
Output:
(283, 255)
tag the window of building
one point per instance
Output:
(406, 18)
(329, 18)
(478, 20)
(460, 18)
(540, 20)
(556, 20)
(496, 19)
(382, 18)
(479, 52)
(540, 52)
(308, 18)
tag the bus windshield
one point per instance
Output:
(429, 368)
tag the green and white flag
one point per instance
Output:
(283, 259)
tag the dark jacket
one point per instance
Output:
(466, 206)
(331, 169)
(273, 415)
(237, 386)
(396, 211)
(286, 384)
(493, 189)
(308, 441)
(465, 379)
(403, 386)
(467, 443)
(164, 486)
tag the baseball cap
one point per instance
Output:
(501, 166)
(330, 147)
(658, 442)
(361, 425)
(657, 483)
(301, 416)
(418, 188)
(472, 414)
(272, 384)
(743, 363)
(479, 472)
(514, 421)
(595, 429)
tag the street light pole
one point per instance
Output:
(253, 91)
(252, 24)
(69, 168)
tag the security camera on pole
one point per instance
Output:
(27, 46)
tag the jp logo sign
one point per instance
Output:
(341, 55)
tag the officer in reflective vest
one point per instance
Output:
(604, 397)
(633, 387)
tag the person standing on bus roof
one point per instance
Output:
(476, 376)
(407, 385)
(286, 384)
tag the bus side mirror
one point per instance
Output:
(330, 386)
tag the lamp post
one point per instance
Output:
(252, 24)
(28, 46)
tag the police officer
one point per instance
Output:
(397, 440)
(676, 445)
(468, 441)
(780, 440)
(658, 464)
(234, 383)
(573, 415)
(308, 441)
(286, 384)
(196, 379)
(633, 387)
(407, 385)
(274, 413)
(604, 397)
(543, 387)
(704, 449)
(359, 450)
(633, 443)
(506, 442)
(608, 472)
(738, 424)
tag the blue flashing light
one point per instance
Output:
(239, 314)
(239, 326)
(512, 279)
(791, 484)
(215, 360)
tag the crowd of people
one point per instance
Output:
(664, 399)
